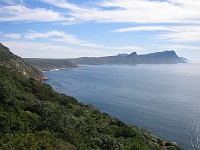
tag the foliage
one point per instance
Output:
(33, 116)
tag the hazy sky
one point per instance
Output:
(74, 28)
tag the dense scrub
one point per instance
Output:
(33, 116)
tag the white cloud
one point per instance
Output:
(181, 34)
(127, 48)
(138, 11)
(133, 11)
(64, 4)
(22, 13)
(143, 28)
(12, 36)
(92, 45)
(52, 50)
(8, 2)
(58, 36)
(33, 35)
(180, 47)
(170, 33)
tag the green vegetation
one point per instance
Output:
(33, 116)
(17, 64)
(50, 64)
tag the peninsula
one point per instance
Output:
(165, 57)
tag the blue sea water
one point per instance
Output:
(164, 99)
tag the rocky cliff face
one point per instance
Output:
(15, 63)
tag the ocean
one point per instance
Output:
(164, 99)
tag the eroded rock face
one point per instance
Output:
(13, 62)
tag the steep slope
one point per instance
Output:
(49, 64)
(15, 63)
(33, 116)
(165, 57)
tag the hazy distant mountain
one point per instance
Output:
(184, 59)
(165, 57)
(49, 64)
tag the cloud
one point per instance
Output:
(22, 13)
(182, 34)
(180, 47)
(58, 36)
(138, 11)
(126, 11)
(127, 48)
(34, 35)
(64, 4)
(12, 36)
(9, 2)
(171, 33)
(52, 50)
(143, 28)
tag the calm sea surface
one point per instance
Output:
(165, 99)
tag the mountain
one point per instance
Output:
(165, 57)
(184, 59)
(34, 116)
(15, 63)
(49, 64)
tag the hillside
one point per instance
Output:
(165, 57)
(34, 116)
(15, 63)
(49, 64)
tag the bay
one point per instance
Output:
(164, 99)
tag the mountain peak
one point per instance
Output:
(133, 54)
(172, 52)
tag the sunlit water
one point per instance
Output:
(165, 99)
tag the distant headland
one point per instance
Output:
(164, 57)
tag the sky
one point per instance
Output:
(78, 28)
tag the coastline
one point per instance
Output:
(132, 124)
